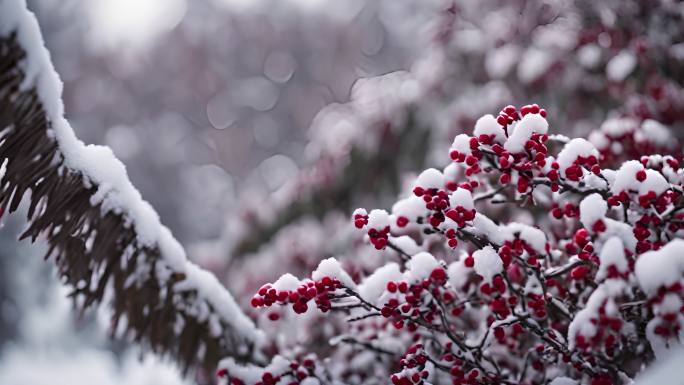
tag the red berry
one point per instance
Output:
(438, 274)
(579, 272)
(641, 175)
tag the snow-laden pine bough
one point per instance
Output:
(581, 281)
(107, 242)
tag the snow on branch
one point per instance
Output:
(103, 236)
(589, 292)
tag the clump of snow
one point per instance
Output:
(589, 55)
(374, 285)
(462, 197)
(330, 267)
(654, 132)
(498, 234)
(452, 172)
(411, 208)
(378, 219)
(592, 208)
(621, 230)
(612, 254)
(599, 140)
(286, 282)
(420, 266)
(483, 225)
(573, 149)
(582, 324)
(667, 370)
(458, 273)
(662, 267)
(487, 263)
(461, 144)
(620, 66)
(625, 177)
(655, 182)
(430, 178)
(671, 303)
(499, 61)
(533, 64)
(563, 381)
(406, 244)
(251, 374)
(360, 211)
(617, 127)
(523, 130)
(533, 236)
(487, 125)
(594, 181)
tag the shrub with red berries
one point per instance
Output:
(580, 277)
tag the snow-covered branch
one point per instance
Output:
(106, 240)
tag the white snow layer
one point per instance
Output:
(533, 236)
(668, 371)
(612, 254)
(287, 282)
(604, 293)
(487, 125)
(534, 63)
(573, 149)
(662, 267)
(461, 144)
(563, 381)
(374, 285)
(430, 178)
(626, 179)
(331, 268)
(462, 197)
(617, 127)
(653, 131)
(592, 208)
(411, 208)
(620, 66)
(421, 266)
(523, 130)
(378, 219)
(487, 263)
(99, 165)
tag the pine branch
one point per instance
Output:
(165, 302)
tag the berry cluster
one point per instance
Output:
(413, 367)
(668, 306)
(409, 304)
(565, 293)
(317, 290)
(293, 374)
